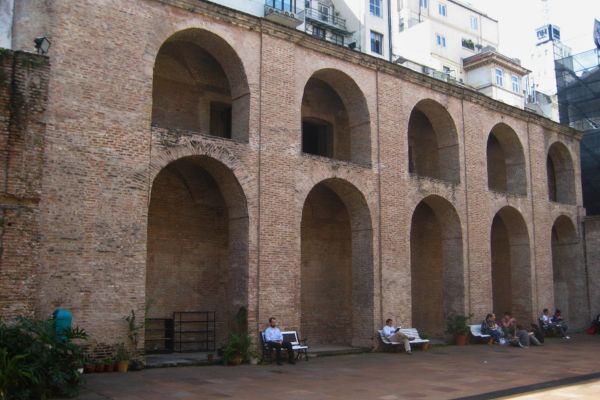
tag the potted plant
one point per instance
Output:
(426, 345)
(122, 358)
(108, 364)
(457, 326)
(237, 349)
(88, 365)
(99, 366)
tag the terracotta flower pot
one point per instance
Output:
(100, 368)
(461, 340)
(426, 346)
(108, 368)
(89, 368)
(236, 360)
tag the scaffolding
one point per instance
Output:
(578, 92)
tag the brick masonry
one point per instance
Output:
(142, 208)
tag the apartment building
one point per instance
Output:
(449, 39)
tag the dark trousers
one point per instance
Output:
(278, 346)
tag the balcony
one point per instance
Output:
(326, 20)
(284, 12)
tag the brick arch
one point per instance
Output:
(433, 148)
(437, 268)
(511, 264)
(238, 183)
(198, 243)
(506, 161)
(333, 96)
(200, 84)
(560, 174)
(567, 271)
(337, 282)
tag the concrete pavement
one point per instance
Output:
(445, 372)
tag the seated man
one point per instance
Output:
(393, 334)
(553, 324)
(274, 340)
(560, 324)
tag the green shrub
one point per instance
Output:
(35, 363)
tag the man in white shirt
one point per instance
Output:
(393, 334)
(274, 340)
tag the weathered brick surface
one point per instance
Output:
(139, 200)
(23, 97)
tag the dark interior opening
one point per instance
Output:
(220, 119)
(317, 138)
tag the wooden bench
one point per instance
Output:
(299, 346)
(410, 332)
(478, 336)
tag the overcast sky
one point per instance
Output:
(518, 20)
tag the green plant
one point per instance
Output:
(35, 363)
(458, 324)
(122, 354)
(238, 343)
(133, 331)
(424, 335)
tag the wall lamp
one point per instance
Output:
(42, 44)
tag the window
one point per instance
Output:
(317, 138)
(515, 83)
(474, 23)
(440, 40)
(376, 42)
(424, 3)
(442, 9)
(499, 77)
(324, 11)
(375, 7)
(319, 32)
(337, 38)
(220, 119)
(446, 69)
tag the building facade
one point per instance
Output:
(196, 158)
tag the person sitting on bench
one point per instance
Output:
(274, 340)
(393, 334)
(490, 327)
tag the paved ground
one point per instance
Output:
(590, 390)
(476, 371)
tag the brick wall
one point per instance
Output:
(23, 97)
(107, 237)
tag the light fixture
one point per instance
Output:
(42, 44)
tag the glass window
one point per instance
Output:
(376, 42)
(424, 3)
(337, 38)
(474, 23)
(440, 40)
(515, 83)
(442, 9)
(375, 7)
(499, 77)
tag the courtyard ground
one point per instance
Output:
(570, 367)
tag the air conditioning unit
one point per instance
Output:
(287, 13)
(292, 15)
(270, 10)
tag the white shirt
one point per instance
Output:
(546, 319)
(388, 331)
(273, 335)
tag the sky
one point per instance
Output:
(518, 20)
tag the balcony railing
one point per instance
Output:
(284, 12)
(332, 21)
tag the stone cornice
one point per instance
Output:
(252, 23)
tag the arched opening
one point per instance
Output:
(433, 142)
(566, 268)
(506, 161)
(336, 266)
(335, 118)
(200, 85)
(197, 252)
(560, 173)
(511, 264)
(436, 258)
